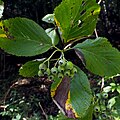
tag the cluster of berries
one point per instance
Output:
(102, 107)
(63, 68)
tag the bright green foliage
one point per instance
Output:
(49, 18)
(76, 18)
(29, 69)
(100, 57)
(53, 35)
(24, 38)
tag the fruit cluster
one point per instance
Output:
(63, 68)
(101, 109)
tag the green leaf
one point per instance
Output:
(30, 69)
(80, 93)
(53, 35)
(73, 97)
(117, 104)
(118, 89)
(49, 18)
(76, 18)
(99, 56)
(24, 38)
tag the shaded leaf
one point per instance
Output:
(117, 105)
(24, 38)
(72, 96)
(100, 57)
(76, 18)
(30, 69)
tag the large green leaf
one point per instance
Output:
(99, 56)
(72, 96)
(30, 69)
(24, 37)
(76, 18)
(80, 93)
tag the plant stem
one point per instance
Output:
(50, 56)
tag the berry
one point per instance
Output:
(105, 95)
(40, 73)
(67, 73)
(69, 65)
(47, 72)
(74, 70)
(96, 108)
(62, 62)
(98, 95)
(60, 75)
(104, 116)
(61, 69)
(42, 67)
(51, 77)
(71, 75)
(54, 70)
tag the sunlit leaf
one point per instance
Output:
(53, 35)
(76, 18)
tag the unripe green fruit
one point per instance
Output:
(96, 108)
(98, 95)
(62, 62)
(42, 67)
(54, 70)
(61, 69)
(67, 73)
(69, 65)
(51, 77)
(105, 95)
(74, 70)
(40, 73)
(71, 75)
(47, 72)
(60, 75)
(103, 108)
(104, 116)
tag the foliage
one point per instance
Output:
(73, 22)
(106, 101)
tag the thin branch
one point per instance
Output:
(43, 111)
(99, 1)
(102, 85)
(96, 34)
